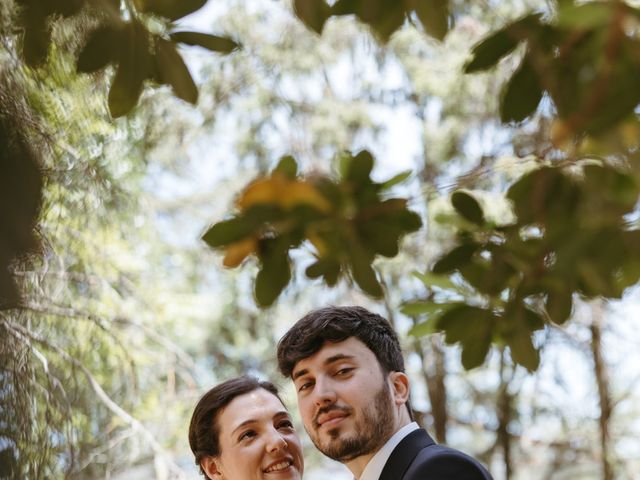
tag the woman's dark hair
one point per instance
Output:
(204, 430)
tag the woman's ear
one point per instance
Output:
(400, 386)
(210, 466)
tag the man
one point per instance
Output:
(353, 395)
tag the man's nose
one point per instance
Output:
(324, 393)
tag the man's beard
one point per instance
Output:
(371, 431)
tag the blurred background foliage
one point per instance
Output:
(467, 169)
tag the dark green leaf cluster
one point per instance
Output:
(583, 59)
(138, 54)
(383, 16)
(348, 222)
(570, 236)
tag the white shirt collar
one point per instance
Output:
(374, 468)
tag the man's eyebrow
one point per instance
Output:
(328, 361)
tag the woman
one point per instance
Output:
(240, 430)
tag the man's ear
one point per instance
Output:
(400, 387)
(210, 466)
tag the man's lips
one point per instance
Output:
(330, 417)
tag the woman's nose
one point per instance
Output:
(276, 442)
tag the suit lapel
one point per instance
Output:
(404, 453)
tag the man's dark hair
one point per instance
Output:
(204, 430)
(335, 324)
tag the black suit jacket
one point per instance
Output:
(417, 457)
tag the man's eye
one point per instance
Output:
(305, 386)
(343, 371)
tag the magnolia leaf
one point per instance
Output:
(468, 207)
(363, 273)
(327, 268)
(103, 47)
(396, 179)
(421, 307)
(275, 273)
(238, 251)
(434, 16)
(431, 280)
(134, 67)
(173, 71)
(522, 350)
(423, 329)
(456, 258)
(205, 40)
(287, 166)
(558, 305)
(522, 94)
(314, 13)
(358, 168)
(472, 327)
(499, 44)
(35, 41)
(171, 9)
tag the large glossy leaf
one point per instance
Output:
(103, 47)
(275, 272)
(287, 166)
(35, 41)
(314, 13)
(434, 16)
(173, 71)
(472, 327)
(431, 280)
(358, 168)
(134, 67)
(363, 273)
(468, 207)
(498, 44)
(205, 40)
(171, 9)
(522, 94)
(456, 258)
(522, 350)
(559, 304)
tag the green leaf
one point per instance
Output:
(327, 268)
(134, 67)
(468, 207)
(456, 258)
(434, 16)
(472, 327)
(287, 166)
(103, 47)
(422, 307)
(205, 40)
(522, 94)
(35, 41)
(363, 273)
(424, 328)
(558, 305)
(395, 180)
(586, 16)
(66, 8)
(490, 50)
(522, 350)
(431, 280)
(171, 9)
(497, 45)
(275, 273)
(314, 13)
(229, 231)
(358, 168)
(173, 71)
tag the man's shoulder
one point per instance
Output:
(441, 462)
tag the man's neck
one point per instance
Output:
(358, 464)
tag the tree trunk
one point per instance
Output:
(504, 408)
(602, 380)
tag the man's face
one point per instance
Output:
(345, 401)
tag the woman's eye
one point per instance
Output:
(285, 424)
(247, 435)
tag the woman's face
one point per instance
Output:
(257, 441)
